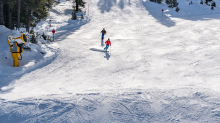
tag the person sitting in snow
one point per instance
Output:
(108, 42)
(103, 33)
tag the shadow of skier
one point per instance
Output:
(107, 56)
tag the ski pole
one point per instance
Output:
(100, 36)
(110, 49)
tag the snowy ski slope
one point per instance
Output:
(159, 69)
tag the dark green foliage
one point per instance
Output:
(177, 9)
(201, 2)
(32, 31)
(49, 39)
(57, 2)
(213, 4)
(206, 1)
(44, 36)
(37, 34)
(74, 17)
(79, 5)
(157, 1)
(33, 39)
(26, 48)
(172, 3)
(82, 17)
(39, 11)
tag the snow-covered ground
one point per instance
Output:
(158, 69)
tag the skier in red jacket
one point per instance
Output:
(108, 42)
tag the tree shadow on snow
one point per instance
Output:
(106, 5)
(55, 11)
(68, 30)
(121, 4)
(68, 11)
(157, 14)
(155, 10)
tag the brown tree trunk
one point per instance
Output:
(77, 5)
(9, 16)
(28, 20)
(12, 25)
(18, 16)
(1, 13)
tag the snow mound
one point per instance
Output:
(43, 51)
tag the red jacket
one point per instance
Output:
(108, 42)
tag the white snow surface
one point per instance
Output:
(158, 69)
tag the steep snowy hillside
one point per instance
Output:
(158, 69)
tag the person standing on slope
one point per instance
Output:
(108, 42)
(103, 33)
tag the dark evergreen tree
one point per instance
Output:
(79, 4)
(82, 17)
(206, 1)
(157, 1)
(1, 13)
(74, 17)
(49, 39)
(33, 5)
(172, 3)
(213, 4)
(57, 2)
(31, 12)
(201, 2)
(153, 0)
(177, 9)
(33, 39)
(28, 10)
(18, 14)
(44, 36)
(32, 31)
(25, 47)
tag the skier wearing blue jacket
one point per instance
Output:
(103, 33)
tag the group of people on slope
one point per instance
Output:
(108, 42)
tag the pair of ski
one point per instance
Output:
(104, 50)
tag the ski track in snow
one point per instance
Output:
(134, 106)
(159, 69)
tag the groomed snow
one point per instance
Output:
(158, 69)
